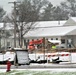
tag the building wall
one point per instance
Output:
(67, 38)
(72, 38)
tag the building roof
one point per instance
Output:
(51, 31)
(73, 18)
(54, 28)
(50, 23)
(70, 22)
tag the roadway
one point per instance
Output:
(42, 66)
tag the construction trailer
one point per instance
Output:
(60, 55)
(20, 56)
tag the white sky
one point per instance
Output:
(7, 7)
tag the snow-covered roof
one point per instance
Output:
(38, 24)
(49, 23)
(51, 31)
(73, 18)
(53, 28)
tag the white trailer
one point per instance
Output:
(66, 57)
(63, 56)
(49, 57)
(5, 56)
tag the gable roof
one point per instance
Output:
(70, 22)
(73, 18)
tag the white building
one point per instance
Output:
(65, 31)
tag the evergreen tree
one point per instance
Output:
(60, 14)
(70, 7)
(47, 15)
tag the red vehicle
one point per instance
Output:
(33, 43)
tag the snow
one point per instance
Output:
(51, 31)
(53, 70)
(50, 23)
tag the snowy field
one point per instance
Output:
(39, 72)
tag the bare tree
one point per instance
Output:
(27, 13)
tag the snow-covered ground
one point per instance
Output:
(52, 70)
(39, 72)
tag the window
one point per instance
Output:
(62, 41)
(56, 38)
(26, 42)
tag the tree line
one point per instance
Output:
(43, 10)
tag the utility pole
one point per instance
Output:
(15, 18)
(44, 47)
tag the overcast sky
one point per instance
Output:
(7, 7)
